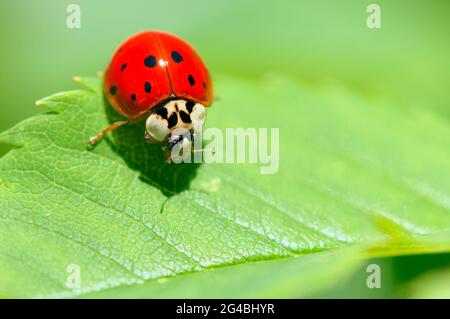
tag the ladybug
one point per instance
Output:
(160, 77)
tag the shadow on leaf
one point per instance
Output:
(148, 159)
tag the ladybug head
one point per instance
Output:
(175, 122)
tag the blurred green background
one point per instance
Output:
(405, 62)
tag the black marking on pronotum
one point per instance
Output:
(133, 97)
(147, 87)
(113, 89)
(176, 57)
(176, 107)
(123, 67)
(173, 120)
(150, 61)
(191, 80)
(190, 106)
(185, 117)
(162, 112)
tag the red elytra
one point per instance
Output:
(152, 67)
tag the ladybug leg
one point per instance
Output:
(168, 156)
(99, 136)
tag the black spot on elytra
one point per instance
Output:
(204, 85)
(176, 57)
(133, 97)
(150, 61)
(123, 67)
(147, 87)
(186, 118)
(173, 120)
(113, 90)
(191, 80)
(190, 106)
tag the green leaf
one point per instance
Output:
(431, 285)
(278, 278)
(352, 172)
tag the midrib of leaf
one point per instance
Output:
(203, 228)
